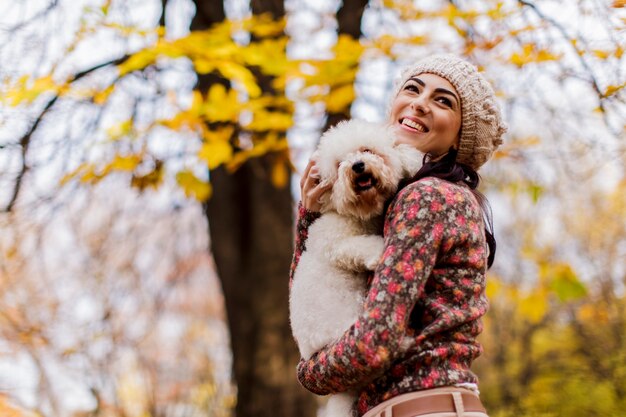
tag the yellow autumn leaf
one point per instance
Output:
(221, 105)
(193, 186)
(340, 98)
(89, 175)
(530, 54)
(191, 118)
(102, 96)
(599, 53)
(169, 49)
(120, 130)
(333, 73)
(277, 103)
(386, 43)
(348, 49)
(27, 90)
(593, 313)
(269, 55)
(196, 103)
(264, 25)
(223, 134)
(264, 120)
(405, 8)
(280, 173)
(273, 142)
(138, 61)
(215, 153)
(183, 119)
(237, 72)
(612, 89)
(203, 65)
(534, 306)
(123, 163)
(152, 179)
(494, 287)
(79, 171)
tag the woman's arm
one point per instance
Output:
(305, 219)
(414, 230)
(308, 211)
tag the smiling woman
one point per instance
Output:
(427, 114)
(429, 285)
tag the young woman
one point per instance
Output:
(430, 282)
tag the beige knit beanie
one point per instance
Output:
(481, 122)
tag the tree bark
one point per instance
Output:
(349, 19)
(251, 233)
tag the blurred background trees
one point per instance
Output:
(148, 150)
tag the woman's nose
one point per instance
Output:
(419, 104)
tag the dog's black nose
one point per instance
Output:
(358, 167)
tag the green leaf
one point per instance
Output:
(566, 285)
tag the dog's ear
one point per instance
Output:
(410, 158)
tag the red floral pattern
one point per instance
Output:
(305, 219)
(429, 288)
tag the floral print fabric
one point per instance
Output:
(422, 313)
(305, 219)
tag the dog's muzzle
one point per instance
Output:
(358, 167)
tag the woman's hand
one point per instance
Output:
(310, 188)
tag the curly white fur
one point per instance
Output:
(364, 166)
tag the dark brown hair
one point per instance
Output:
(447, 168)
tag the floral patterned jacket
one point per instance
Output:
(429, 286)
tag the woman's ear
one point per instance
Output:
(457, 141)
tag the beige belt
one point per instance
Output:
(438, 400)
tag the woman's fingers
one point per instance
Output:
(306, 173)
(310, 178)
(311, 188)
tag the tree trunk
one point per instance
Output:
(251, 232)
(349, 19)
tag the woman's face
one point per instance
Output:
(426, 114)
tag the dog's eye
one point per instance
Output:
(367, 150)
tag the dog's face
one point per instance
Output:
(365, 180)
(363, 166)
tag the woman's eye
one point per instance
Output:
(411, 87)
(445, 101)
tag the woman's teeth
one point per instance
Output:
(414, 125)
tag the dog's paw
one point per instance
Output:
(376, 249)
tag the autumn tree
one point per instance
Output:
(218, 114)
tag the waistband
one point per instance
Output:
(437, 400)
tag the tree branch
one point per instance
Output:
(566, 36)
(42, 13)
(25, 141)
(162, 18)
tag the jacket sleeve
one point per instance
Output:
(413, 235)
(304, 221)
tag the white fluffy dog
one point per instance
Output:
(364, 166)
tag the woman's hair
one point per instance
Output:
(447, 168)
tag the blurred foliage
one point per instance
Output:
(554, 337)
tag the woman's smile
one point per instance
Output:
(413, 124)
